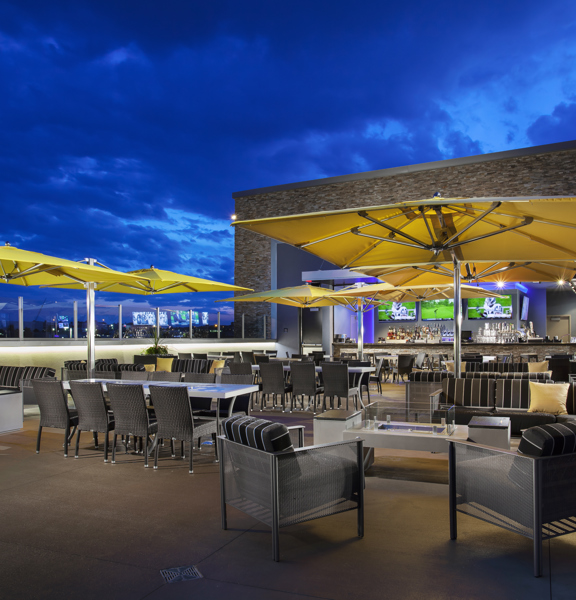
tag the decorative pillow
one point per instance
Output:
(450, 366)
(548, 397)
(164, 364)
(217, 364)
(538, 367)
(549, 440)
(258, 433)
(149, 368)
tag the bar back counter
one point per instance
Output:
(516, 349)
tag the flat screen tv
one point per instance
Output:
(181, 318)
(524, 313)
(148, 317)
(397, 311)
(437, 310)
(490, 308)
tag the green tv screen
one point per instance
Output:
(397, 311)
(437, 310)
(490, 308)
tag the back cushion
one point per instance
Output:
(513, 394)
(429, 376)
(477, 393)
(131, 367)
(258, 433)
(571, 400)
(525, 375)
(11, 376)
(549, 440)
(482, 375)
(75, 365)
(38, 372)
(538, 367)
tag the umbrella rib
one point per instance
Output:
(481, 216)
(391, 240)
(416, 241)
(330, 237)
(526, 221)
(536, 220)
(359, 256)
(422, 212)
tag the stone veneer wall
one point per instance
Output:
(548, 173)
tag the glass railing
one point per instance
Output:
(58, 320)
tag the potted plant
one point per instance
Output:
(157, 347)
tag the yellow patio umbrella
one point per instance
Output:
(23, 267)
(433, 230)
(301, 296)
(148, 282)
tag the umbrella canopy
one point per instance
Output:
(383, 291)
(22, 267)
(157, 281)
(301, 296)
(500, 273)
(432, 230)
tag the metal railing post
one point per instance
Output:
(242, 325)
(75, 319)
(218, 326)
(119, 321)
(21, 317)
(264, 316)
(191, 327)
(157, 321)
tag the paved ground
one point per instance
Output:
(84, 529)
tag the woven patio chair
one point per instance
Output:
(93, 413)
(360, 380)
(403, 367)
(200, 404)
(337, 385)
(199, 356)
(304, 383)
(135, 375)
(262, 475)
(273, 383)
(376, 377)
(164, 376)
(248, 356)
(261, 358)
(54, 412)
(240, 369)
(176, 422)
(131, 415)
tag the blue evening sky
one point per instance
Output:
(125, 126)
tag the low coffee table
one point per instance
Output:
(401, 435)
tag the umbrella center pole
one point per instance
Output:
(90, 326)
(360, 327)
(457, 320)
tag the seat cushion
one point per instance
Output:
(549, 440)
(258, 433)
(522, 419)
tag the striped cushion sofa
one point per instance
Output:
(500, 397)
(11, 377)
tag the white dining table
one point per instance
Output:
(217, 391)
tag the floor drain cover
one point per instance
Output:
(180, 574)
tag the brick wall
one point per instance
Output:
(545, 174)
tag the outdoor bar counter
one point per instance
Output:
(516, 349)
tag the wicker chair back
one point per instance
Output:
(129, 407)
(91, 405)
(272, 375)
(52, 403)
(200, 377)
(303, 378)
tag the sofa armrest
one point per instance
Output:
(297, 435)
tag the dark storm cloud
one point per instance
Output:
(125, 126)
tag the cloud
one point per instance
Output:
(560, 126)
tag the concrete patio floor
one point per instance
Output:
(84, 529)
